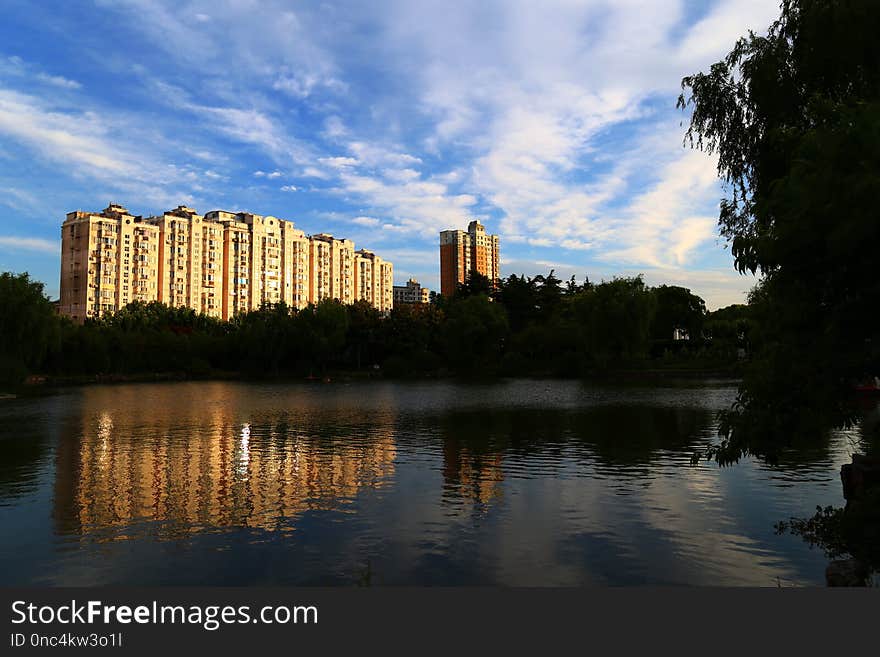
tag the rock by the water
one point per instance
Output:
(846, 572)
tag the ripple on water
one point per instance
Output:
(535, 482)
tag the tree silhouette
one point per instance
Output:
(794, 118)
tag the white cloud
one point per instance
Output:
(102, 148)
(553, 121)
(334, 127)
(16, 66)
(289, 188)
(80, 139)
(415, 206)
(30, 244)
(339, 162)
(401, 175)
(663, 225)
(19, 199)
(533, 96)
(314, 172)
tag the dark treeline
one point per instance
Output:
(527, 326)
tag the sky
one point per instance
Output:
(553, 123)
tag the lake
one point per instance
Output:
(513, 483)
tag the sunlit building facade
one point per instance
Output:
(108, 259)
(180, 257)
(412, 293)
(221, 263)
(331, 273)
(463, 252)
(374, 280)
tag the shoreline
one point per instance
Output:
(35, 383)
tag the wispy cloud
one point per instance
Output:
(30, 244)
(16, 66)
(552, 122)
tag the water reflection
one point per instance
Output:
(200, 472)
(514, 483)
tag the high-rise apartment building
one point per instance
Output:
(233, 277)
(374, 280)
(180, 254)
(412, 292)
(331, 269)
(108, 260)
(221, 264)
(463, 252)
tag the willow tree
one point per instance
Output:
(794, 119)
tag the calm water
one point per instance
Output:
(514, 483)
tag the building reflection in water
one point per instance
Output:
(471, 476)
(170, 470)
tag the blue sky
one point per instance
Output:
(385, 122)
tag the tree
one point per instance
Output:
(549, 293)
(614, 318)
(475, 284)
(677, 308)
(474, 334)
(29, 327)
(363, 325)
(794, 118)
(519, 296)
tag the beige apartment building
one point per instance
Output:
(331, 272)
(108, 260)
(180, 256)
(462, 252)
(411, 293)
(374, 280)
(221, 264)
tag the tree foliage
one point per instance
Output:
(794, 118)
(523, 326)
(28, 326)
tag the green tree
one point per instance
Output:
(614, 319)
(519, 296)
(322, 330)
(363, 329)
(29, 327)
(677, 309)
(474, 334)
(794, 118)
(475, 284)
(549, 294)
(728, 328)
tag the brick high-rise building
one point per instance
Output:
(462, 252)
(220, 264)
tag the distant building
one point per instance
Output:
(463, 252)
(374, 280)
(412, 292)
(220, 264)
(332, 269)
